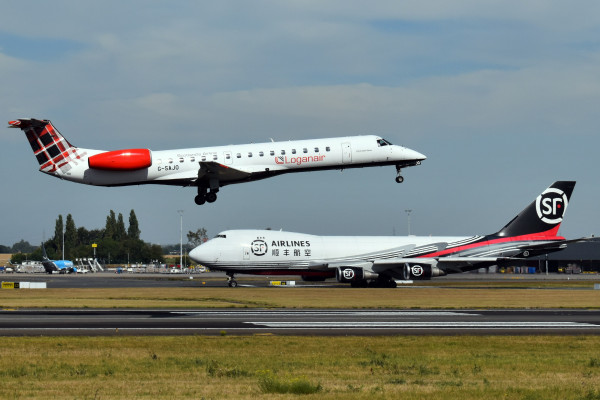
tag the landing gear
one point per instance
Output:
(231, 282)
(383, 283)
(399, 178)
(200, 199)
(211, 197)
(204, 196)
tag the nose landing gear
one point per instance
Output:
(231, 282)
(399, 178)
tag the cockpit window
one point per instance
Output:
(383, 142)
(221, 236)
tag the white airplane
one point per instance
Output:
(378, 261)
(208, 168)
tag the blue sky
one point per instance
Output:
(502, 96)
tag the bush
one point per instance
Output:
(268, 383)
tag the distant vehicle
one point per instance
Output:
(207, 168)
(57, 266)
(379, 261)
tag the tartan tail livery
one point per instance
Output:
(53, 152)
(379, 261)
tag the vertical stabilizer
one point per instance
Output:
(544, 215)
(50, 148)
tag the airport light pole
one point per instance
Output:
(180, 238)
(408, 214)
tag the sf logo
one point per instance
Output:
(348, 273)
(551, 205)
(259, 247)
(417, 270)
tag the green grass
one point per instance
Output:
(273, 367)
(205, 297)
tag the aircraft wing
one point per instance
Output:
(211, 169)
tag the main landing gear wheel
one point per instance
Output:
(211, 197)
(399, 179)
(200, 200)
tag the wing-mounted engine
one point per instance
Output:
(121, 160)
(420, 272)
(354, 275)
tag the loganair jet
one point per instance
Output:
(58, 266)
(207, 168)
(379, 261)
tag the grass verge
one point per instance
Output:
(202, 297)
(245, 367)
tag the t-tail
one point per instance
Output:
(52, 151)
(542, 218)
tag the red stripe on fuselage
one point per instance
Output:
(534, 237)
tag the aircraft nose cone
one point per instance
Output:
(414, 155)
(198, 254)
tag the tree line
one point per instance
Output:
(115, 243)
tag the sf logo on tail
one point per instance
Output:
(551, 205)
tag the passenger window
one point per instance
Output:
(228, 156)
(170, 161)
(214, 157)
(305, 150)
(327, 148)
(260, 153)
(282, 152)
(203, 158)
(293, 151)
(192, 159)
(180, 159)
(316, 149)
(250, 154)
(239, 155)
(272, 152)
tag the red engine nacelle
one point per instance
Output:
(121, 160)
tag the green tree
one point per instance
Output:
(70, 237)
(120, 233)
(134, 229)
(111, 225)
(58, 234)
(22, 246)
(197, 238)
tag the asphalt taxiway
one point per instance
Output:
(50, 322)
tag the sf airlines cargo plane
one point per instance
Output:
(207, 168)
(379, 261)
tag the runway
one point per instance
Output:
(50, 322)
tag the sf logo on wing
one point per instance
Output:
(258, 247)
(551, 205)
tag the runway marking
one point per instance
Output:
(426, 325)
(333, 313)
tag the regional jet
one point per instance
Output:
(207, 168)
(379, 261)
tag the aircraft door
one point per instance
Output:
(346, 153)
(246, 253)
(228, 157)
